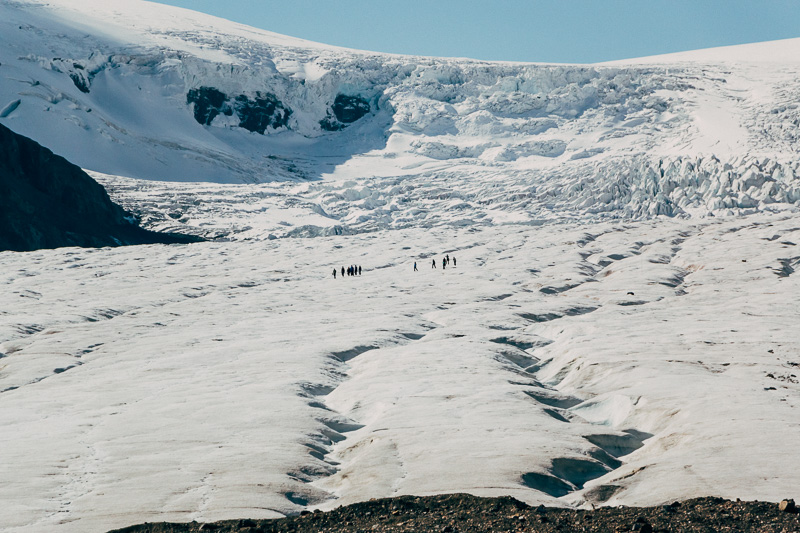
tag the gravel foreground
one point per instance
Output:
(452, 513)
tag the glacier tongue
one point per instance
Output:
(568, 364)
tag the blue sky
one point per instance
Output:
(569, 31)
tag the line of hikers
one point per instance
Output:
(352, 270)
(355, 270)
(445, 261)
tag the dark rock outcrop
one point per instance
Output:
(80, 73)
(47, 202)
(462, 512)
(255, 114)
(259, 113)
(81, 82)
(331, 124)
(346, 110)
(208, 103)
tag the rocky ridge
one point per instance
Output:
(452, 513)
(47, 202)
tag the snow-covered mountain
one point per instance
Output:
(581, 350)
(149, 91)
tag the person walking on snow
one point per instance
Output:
(433, 263)
(342, 271)
(415, 266)
(334, 273)
(454, 261)
(359, 270)
(444, 264)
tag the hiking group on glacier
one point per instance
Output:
(355, 270)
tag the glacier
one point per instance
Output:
(620, 328)
(185, 97)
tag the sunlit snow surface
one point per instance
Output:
(586, 349)
(631, 363)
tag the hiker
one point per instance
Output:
(359, 270)
(447, 259)
(415, 266)
(433, 263)
(444, 264)
(454, 261)
(334, 273)
(342, 271)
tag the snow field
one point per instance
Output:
(238, 379)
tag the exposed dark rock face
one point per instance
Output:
(47, 202)
(255, 114)
(331, 124)
(80, 74)
(208, 103)
(261, 112)
(346, 110)
(264, 110)
(80, 82)
(462, 512)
